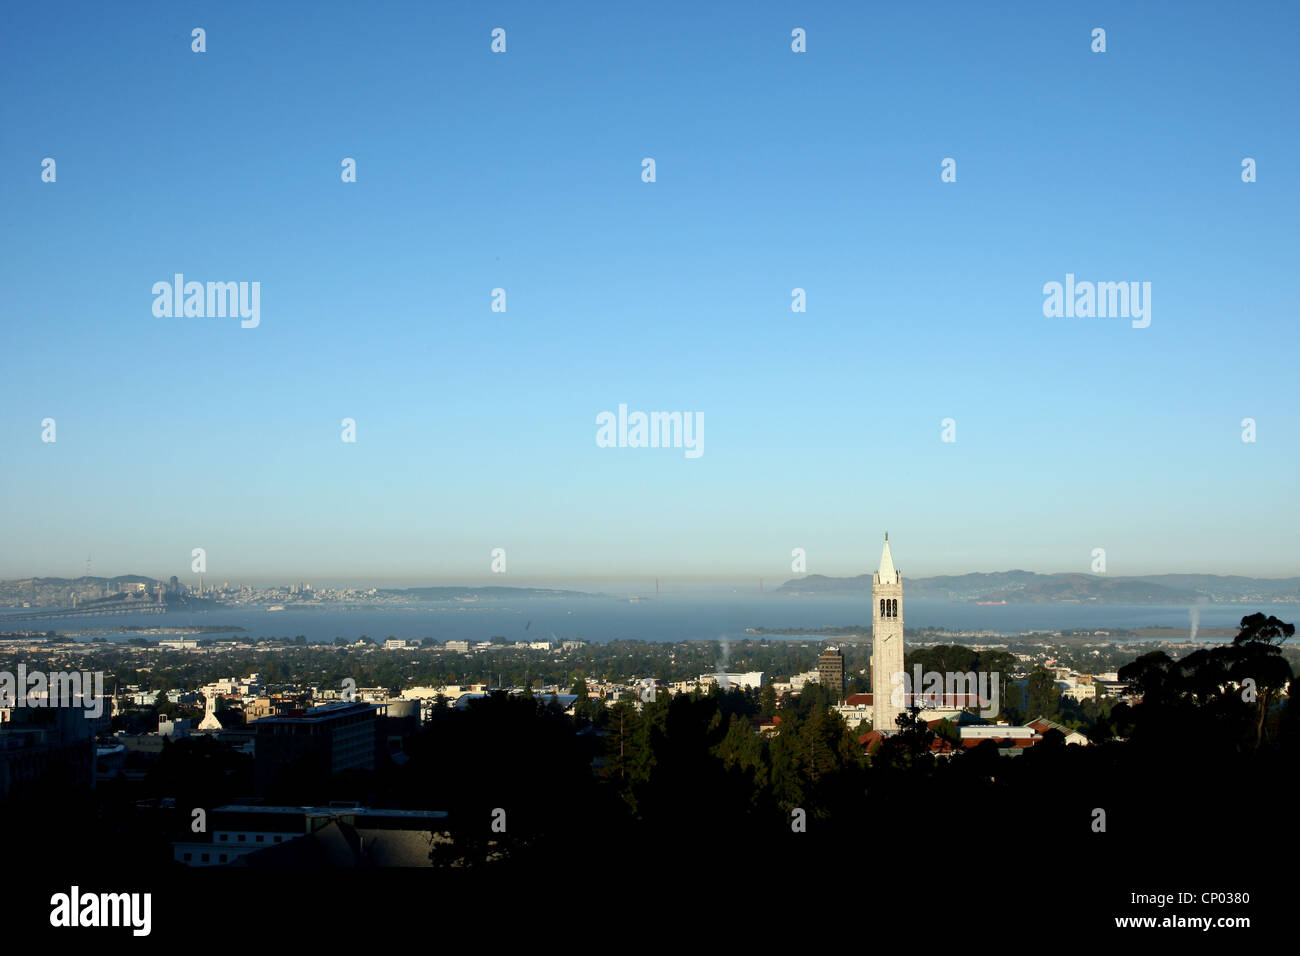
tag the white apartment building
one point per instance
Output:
(807, 677)
(747, 680)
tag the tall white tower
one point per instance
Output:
(886, 644)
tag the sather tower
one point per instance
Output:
(886, 644)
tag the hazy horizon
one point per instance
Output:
(626, 583)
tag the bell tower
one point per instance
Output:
(887, 693)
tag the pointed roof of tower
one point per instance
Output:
(886, 572)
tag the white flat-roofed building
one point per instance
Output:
(855, 709)
(422, 693)
(1077, 690)
(997, 731)
(807, 677)
(750, 679)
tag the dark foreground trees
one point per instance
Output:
(1213, 735)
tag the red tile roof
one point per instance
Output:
(870, 740)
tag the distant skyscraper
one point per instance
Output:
(886, 643)
(830, 672)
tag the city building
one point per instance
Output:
(830, 672)
(1042, 725)
(858, 708)
(1110, 686)
(375, 837)
(748, 680)
(332, 737)
(153, 743)
(798, 681)
(275, 705)
(1009, 741)
(36, 742)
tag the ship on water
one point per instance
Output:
(990, 602)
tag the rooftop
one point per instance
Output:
(333, 811)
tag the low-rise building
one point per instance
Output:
(798, 681)
(236, 831)
(274, 705)
(36, 741)
(332, 738)
(748, 680)
(1042, 725)
(857, 708)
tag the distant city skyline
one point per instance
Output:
(777, 172)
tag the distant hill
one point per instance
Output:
(83, 580)
(464, 594)
(54, 592)
(1028, 587)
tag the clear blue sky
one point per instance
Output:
(775, 170)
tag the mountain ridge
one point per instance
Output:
(1030, 587)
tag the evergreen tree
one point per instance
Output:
(1044, 695)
